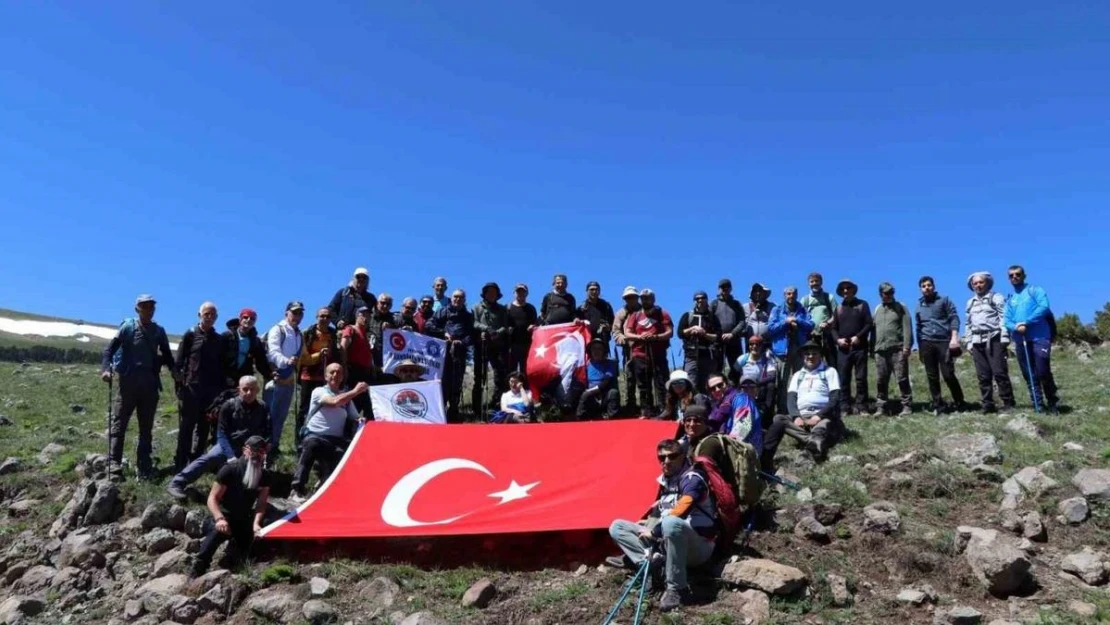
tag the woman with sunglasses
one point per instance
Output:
(680, 396)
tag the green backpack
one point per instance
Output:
(738, 463)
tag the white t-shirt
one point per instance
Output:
(328, 420)
(521, 403)
(813, 388)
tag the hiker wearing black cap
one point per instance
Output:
(238, 419)
(454, 324)
(601, 399)
(492, 329)
(200, 361)
(424, 312)
(358, 358)
(558, 306)
(136, 354)
(938, 343)
(237, 502)
(649, 331)
(701, 334)
(732, 320)
(757, 313)
(851, 329)
(598, 312)
(523, 318)
(347, 300)
(631, 299)
(891, 343)
(284, 345)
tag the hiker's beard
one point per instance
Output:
(253, 475)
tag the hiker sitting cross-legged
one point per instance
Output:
(682, 519)
(325, 441)
(813, 399)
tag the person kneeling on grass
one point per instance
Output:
(329, 412)
(683, 518)
(242, 486)
(813, 399)
(240, 418)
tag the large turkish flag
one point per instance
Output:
(407, 480)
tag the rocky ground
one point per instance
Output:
(964, 518)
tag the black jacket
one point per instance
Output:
(346, 302)
(238, 422)
(600, 315)
(256, 357)
(200, 358)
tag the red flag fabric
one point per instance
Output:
(558, 353)
(401, 479)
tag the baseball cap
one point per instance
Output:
(362, 271)
(248, 312)
(592, 283)
(702, 294)
(630, 291)
(521, 287)
(294, 305)
(144, 299)
(746, 380)
(362, 309)
(724, 283)
(696, 411)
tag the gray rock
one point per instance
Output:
(18, 608)
(1024, 427)
(1082, 608)
(917, 595)
(766, 575)
(987, 473)
(71, 579)
(133, 609)
(899, 478)
(216, 599)
(812, 529)
(901, 460)
(1093, 483)
(881, 517)
(166, 585)
(1001, 567)
(80, 550)
(183, 610)
(209, 580)
(1033, 527)
(970, 449)
(423, 618)
(963, 615)
(158, 541)
(75, 509)
(48, 453)
(22, 507)
(5, 420)
(319, 612)
(154, 516)
(320, 587)
(36, 578)
(838, 589)
(1034, 482)
(378, 596)
(1010, 520)
(1069, 446)
(275, 604)
(756, 606)
(804, 495)
(11, 465)
(194, 523)
(106, 505)
(825, 513)
(15, 571)
(1074, 510)
(173, 561)
(1087, 565)
(581, 570)
(480, 594)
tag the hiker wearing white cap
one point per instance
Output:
(631, 299)
(987, 340)
(649, 331)
(523, 318)
(347, 300)
(136, 354)
(681, 394)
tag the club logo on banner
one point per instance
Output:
(418, 402)
(425, 351)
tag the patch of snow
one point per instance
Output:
(80, 331)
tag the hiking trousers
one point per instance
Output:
(853, 361)
(278, 397)
(651, 381)
(1043, 385)
(990, 365)
(938, 362)
(599, 405)
(683, 547)
(138, 393)
(699, 366)
(324, 452)
(306, 388)
(210, 462)
(453, 371)
(892, 360)
(497, 358)
(826, 431)
(241, 536)
(193, 428)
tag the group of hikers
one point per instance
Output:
(751, 372)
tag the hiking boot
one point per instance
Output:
(672, 599)
(1053, 410)
(1007, 409)
(177, 492)
(989, 409)
(962, 407)
(906, 411)
(619, 562)
(816, 447)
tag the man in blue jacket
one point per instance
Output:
(1027, 320)
(455, 324)
(788, 330)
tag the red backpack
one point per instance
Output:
(729, 513)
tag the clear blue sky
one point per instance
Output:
(251, 153)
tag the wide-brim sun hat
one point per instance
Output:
(844, 284)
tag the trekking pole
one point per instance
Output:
(1034, 386)
(641, 573)
(480, 409)
(643, 584)
(778, 480)
(110, 375)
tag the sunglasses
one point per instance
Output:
(1015, 275)
(718, 387)
(667, 457)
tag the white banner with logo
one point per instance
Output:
(425, 351)
(416, 402)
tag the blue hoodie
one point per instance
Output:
(779, 331)
(1028, 305)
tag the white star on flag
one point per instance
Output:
(541, 351)
(513, 492)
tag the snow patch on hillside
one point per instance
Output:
(79, 331)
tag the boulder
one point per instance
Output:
(963, 615)
(838, 590)
(158, 541)
(423, 618)
(75, 509)
(182, 609)
(319, 612)
(1074, 511)
(766, 575)
(210, 579)
(378, 596)
(825, 513)
(480, 594)
(106, 505)
(133, 609)
(1069, 446)
(17, 608)
(320, 587)
(79, 549)
(1000, 566)
(1082, 608)
(881, 517)
(1087, 565)
(1033, 481)
(970, 449)
(812, 529)
(173, 561)
(11, 465)
(275, 604)
(166, 585)
(22, 507)
(1033, 527)
(194, 523)
(1010, 520)
(1022, 426)
(756, 606)
(71, 579)
(1093, 483)
(36, 578)
(48, 453)
(914, 596)
(987, 473)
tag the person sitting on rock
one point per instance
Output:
(325, 441)
(240, 418)
(237, 501)
(601, 399)
(813, 399)
(683, 518)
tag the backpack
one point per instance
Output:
(127, 341)
(732, 498)
(729, 514)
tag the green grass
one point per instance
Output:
(553, 597)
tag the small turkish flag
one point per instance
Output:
(558, 353)
(483, 479)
